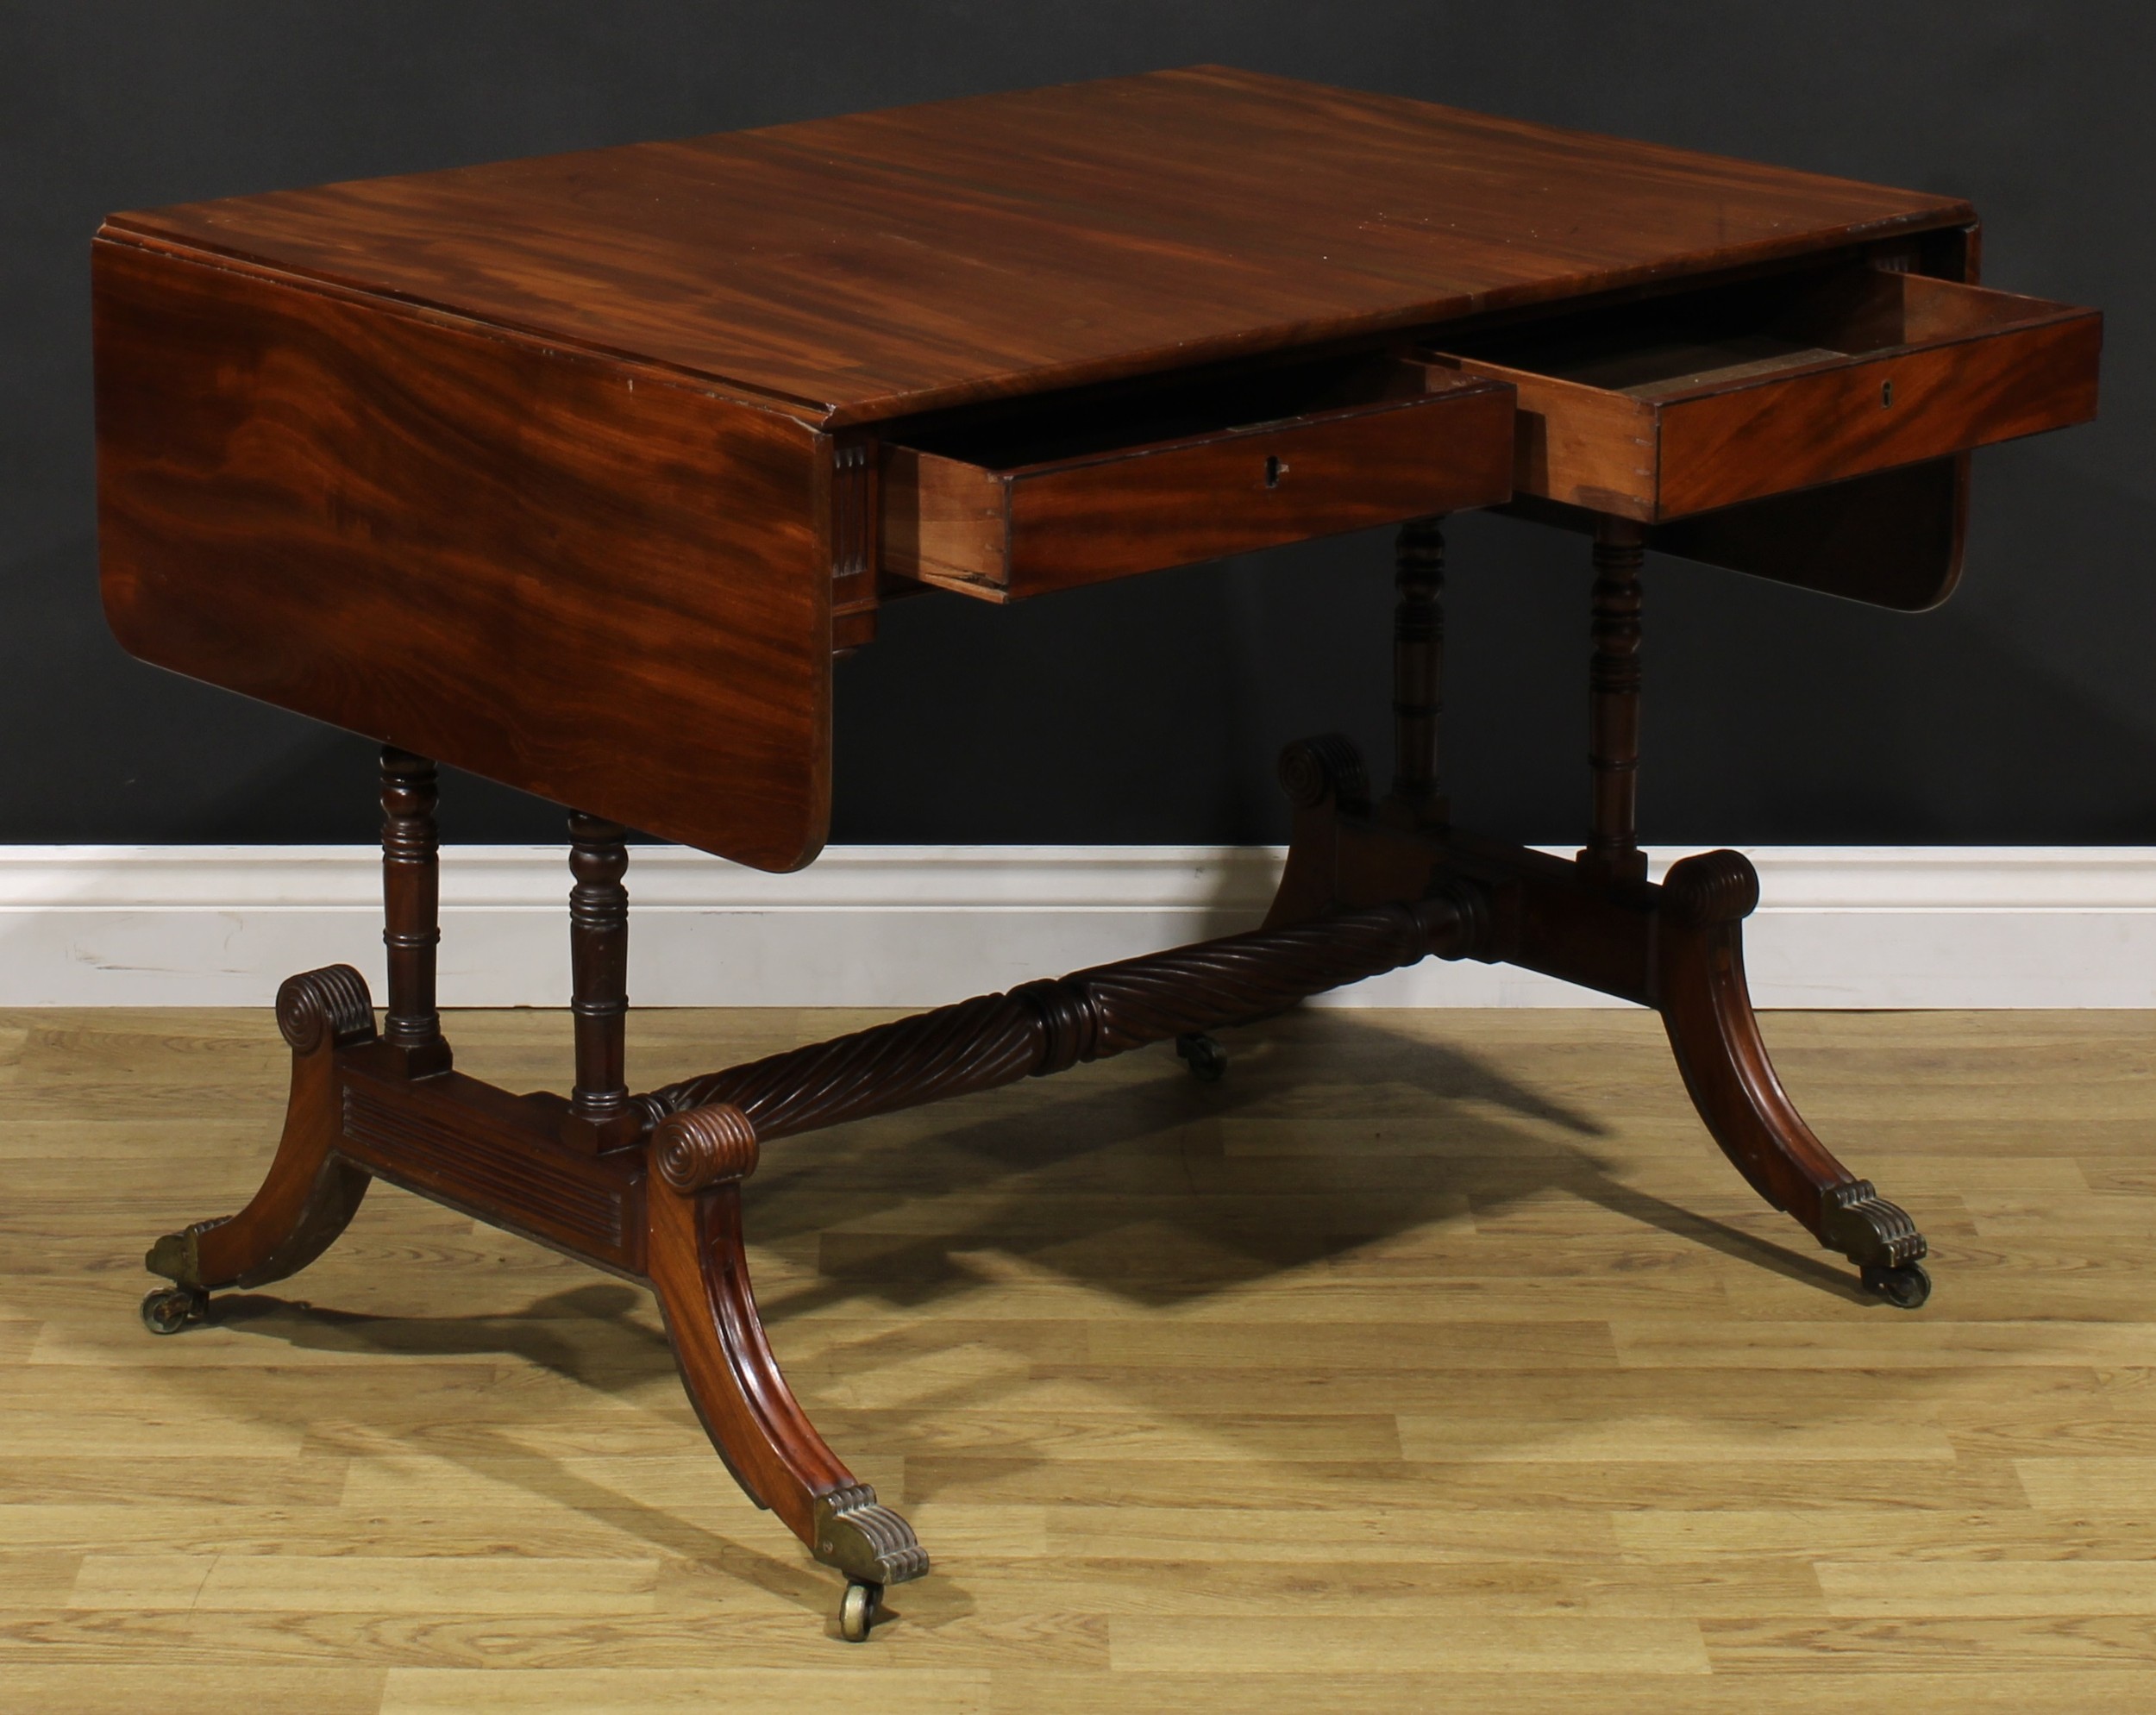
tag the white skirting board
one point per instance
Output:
(919, 925)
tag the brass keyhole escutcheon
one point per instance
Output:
(1886, 394)
(1275, 468)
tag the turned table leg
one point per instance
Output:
(600, 1114)
(411, 929)
(1613, 751)
(1418, 798)
(1324, 778)
(1325, 773)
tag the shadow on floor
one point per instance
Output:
(1117, 1178)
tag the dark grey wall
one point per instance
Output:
(2024, 712)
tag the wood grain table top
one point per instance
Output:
(854, 269)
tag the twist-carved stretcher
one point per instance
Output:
(558, 471)
(649, 1186)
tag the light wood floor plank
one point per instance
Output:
(1429, 1360)
(658, 1691)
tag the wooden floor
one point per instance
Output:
(1432, 1362)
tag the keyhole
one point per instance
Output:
(1275, 468)
(1886, 394)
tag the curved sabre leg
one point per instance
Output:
(1714, 1033)
(701, 1272)
(310, 1193)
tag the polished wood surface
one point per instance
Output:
(576, 576)
(1009, 525)
(1658, 410)
(411, 913)
(1613, 685)
(575, 472)
(1434, 1359)
(1676, 946)
(1418, 791)
(599, 1116)
(649, 1187)
(875, 264)
(495, 1155)
(351, 461)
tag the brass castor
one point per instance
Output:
(1907, 1286)
(169, 1309)
(857, 1610)
(1207, 1059)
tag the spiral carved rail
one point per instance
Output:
(1044, 1027)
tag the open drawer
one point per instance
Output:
(1055, 492)
(1659, 407)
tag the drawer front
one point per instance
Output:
(1006, 533)
(1870, 415)
(1936, 368)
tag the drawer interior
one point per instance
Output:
(1659, 407)
(1061, 489)
(1084, 422)
(1673, 347)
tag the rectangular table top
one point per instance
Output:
(573, 472)
(858, 268)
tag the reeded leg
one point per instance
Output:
(699, 1271)
(1677, 948)
(310, 1194)
(1698, 981)
(1715, 1034)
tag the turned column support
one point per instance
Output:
(411, 928)
(600, 1115)
(1418, 797)
(1613, 848)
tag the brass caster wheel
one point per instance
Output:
(1207, 1059)
(857, 1610)
(169, 1309)
(1907, 1286)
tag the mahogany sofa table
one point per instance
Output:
(577, 471)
